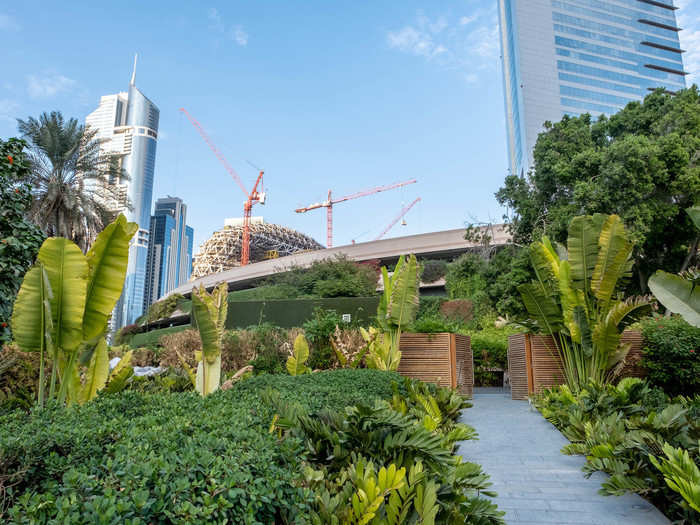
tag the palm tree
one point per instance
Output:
(72, 182)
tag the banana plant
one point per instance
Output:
(576, 297)
(209, 312)
(64, 303)
(680, 293)
(296, 363)
(398, 307)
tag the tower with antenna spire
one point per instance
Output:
(127, 123)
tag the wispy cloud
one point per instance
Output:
(8, 23)
(468, 42)
(8, 110)
(689, 20)
(218, 26)
(48, 85)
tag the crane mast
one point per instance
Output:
(328, 204)
(252, 198)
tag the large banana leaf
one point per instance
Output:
(96, 374)
(210, 312)
(570, 299)
(107, 260)
(615, 250)
(679, 295)
(31, 316)
(383, 306)
(67, 270)
(296, 363)
(403, 305)
(606, 332)
(694, 213)
(542, 307)
(582, 245)
(545, 260)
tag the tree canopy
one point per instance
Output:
(642, 164)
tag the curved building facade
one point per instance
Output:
(128, 125)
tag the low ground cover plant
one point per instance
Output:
(633, 432)
(147, 458)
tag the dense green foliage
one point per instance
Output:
(338, 277)
(318, 332)
(672, 355)
(144, 458)
(640, 164)
(391, 461)
(621, 430)
(19, 238)
(433, 270)
(162, 309)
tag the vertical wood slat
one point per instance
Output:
(444, 358)
(534, 362)
(517, 366)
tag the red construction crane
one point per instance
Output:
(253, 197)
(404, 211)
(328, 204)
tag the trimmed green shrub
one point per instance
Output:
(152, 338)
(429, 306)
(672, 355)
(432, 270)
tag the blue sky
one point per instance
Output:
(339, 95)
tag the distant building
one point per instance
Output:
(128, 124)
(567, 57)
(170, 249)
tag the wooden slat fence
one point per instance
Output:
(444, 358)
(534, 362)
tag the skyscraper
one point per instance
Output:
(568, 57)
(128, 124)
(170, 249)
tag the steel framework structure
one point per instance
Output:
(222, 251)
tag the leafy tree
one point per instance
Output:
(19, 238)
(74, 187)
(642, 164)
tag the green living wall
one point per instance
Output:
(287, 313)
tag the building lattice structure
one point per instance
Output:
(222, 251)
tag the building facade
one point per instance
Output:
(128, 124)
(569, 57)
(170, 249)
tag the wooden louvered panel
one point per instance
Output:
(547, 369)
(517, 366)
(444, 359)
(465, 365)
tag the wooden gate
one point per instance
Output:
(534, 362)
(444, 358)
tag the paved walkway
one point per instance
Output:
(535, 482)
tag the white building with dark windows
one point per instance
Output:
(568, 57)
(127, 122)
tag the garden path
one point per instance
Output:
(535, 482)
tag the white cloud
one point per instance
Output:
(48, 85)
(8, 110)
(217, 25)
(8, 23)
(689, 19)
(469, 43)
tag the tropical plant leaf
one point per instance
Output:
(96, 374)
(677, 294)
(611, 265)
(403, 304)
(582, 245)
(67, 271)
(31, 316)
(107, 261)
(542, 307)
(296, 363)
(210, 313)
(570, 299)
(385, 298)
(694, 213)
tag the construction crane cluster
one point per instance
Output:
(257, 195)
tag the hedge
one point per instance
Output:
(152, 338)
(146, 458)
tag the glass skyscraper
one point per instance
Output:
(568, 57)
(128, 125)
(170, 249)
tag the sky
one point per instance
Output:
(322, 95)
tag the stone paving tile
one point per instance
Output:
(536, 484)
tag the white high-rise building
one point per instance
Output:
(127, 122)
(568, 57)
